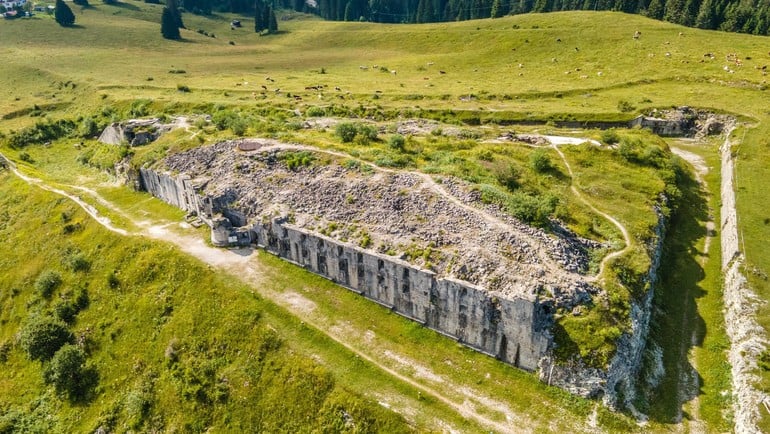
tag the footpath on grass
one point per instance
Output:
(469, 403)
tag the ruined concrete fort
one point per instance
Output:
(428, 248)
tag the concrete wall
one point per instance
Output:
(513, 330)
(663, 127)
(180, 191)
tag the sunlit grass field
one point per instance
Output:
(562, 66)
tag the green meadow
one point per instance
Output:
(179, 346)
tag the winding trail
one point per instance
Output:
(611, 219)
(242, 262)
(435, 187)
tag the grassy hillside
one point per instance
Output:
(532, 67)
(164, 357)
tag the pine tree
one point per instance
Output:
(63, 14)
(272, 26)
(173, 7)
(706, 18)
(266, 18)
(690, 13)
(168, 25)
(655, 10)
(674, 11)
(496, 9)
(259, 16)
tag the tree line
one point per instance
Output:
(745, 16)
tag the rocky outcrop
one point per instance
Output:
(617, 380)
(681, 122)
(137, 132)
(747, 338)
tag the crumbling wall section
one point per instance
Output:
(513, 330)
(180, 191)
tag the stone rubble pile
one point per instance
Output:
(398, 213)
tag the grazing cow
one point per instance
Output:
(637, 34)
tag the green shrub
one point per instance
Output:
(47, 282)
(346, 131)
(41, 132)
(42, 336)
(68, 373)
(508, 176)
(140, 107)
(77, 261)
(295, 160)
(65, 311)
(610, 137)
(361, 133)
(396, 142)
(23, 156)
(238, 126)
(315, 111)
(642, 153)
(88, 127)
(625, 106)
(534, 210)
(540, 161)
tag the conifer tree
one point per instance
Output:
(259, 16)
(63, 14)
(272, 26)
(174, 9)
(496, 9)
(655, 10)
(168, 25)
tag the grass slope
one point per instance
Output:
(524, 67)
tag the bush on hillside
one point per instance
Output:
(47, 282)
(68, 373)
(42, 337)
(63, 14)
(540, 161)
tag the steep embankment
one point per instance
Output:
(747, 337)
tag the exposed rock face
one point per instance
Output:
(625, 365)
(137, 132)
(747, 338)
(682, 122)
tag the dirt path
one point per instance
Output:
(242, 262)
(689, 383)
(435, 187)
(611, 219)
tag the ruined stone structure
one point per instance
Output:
(514, 330)
(248, 197)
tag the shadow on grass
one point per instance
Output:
(123, 5)
(677, 326)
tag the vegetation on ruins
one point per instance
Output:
(545, 74)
